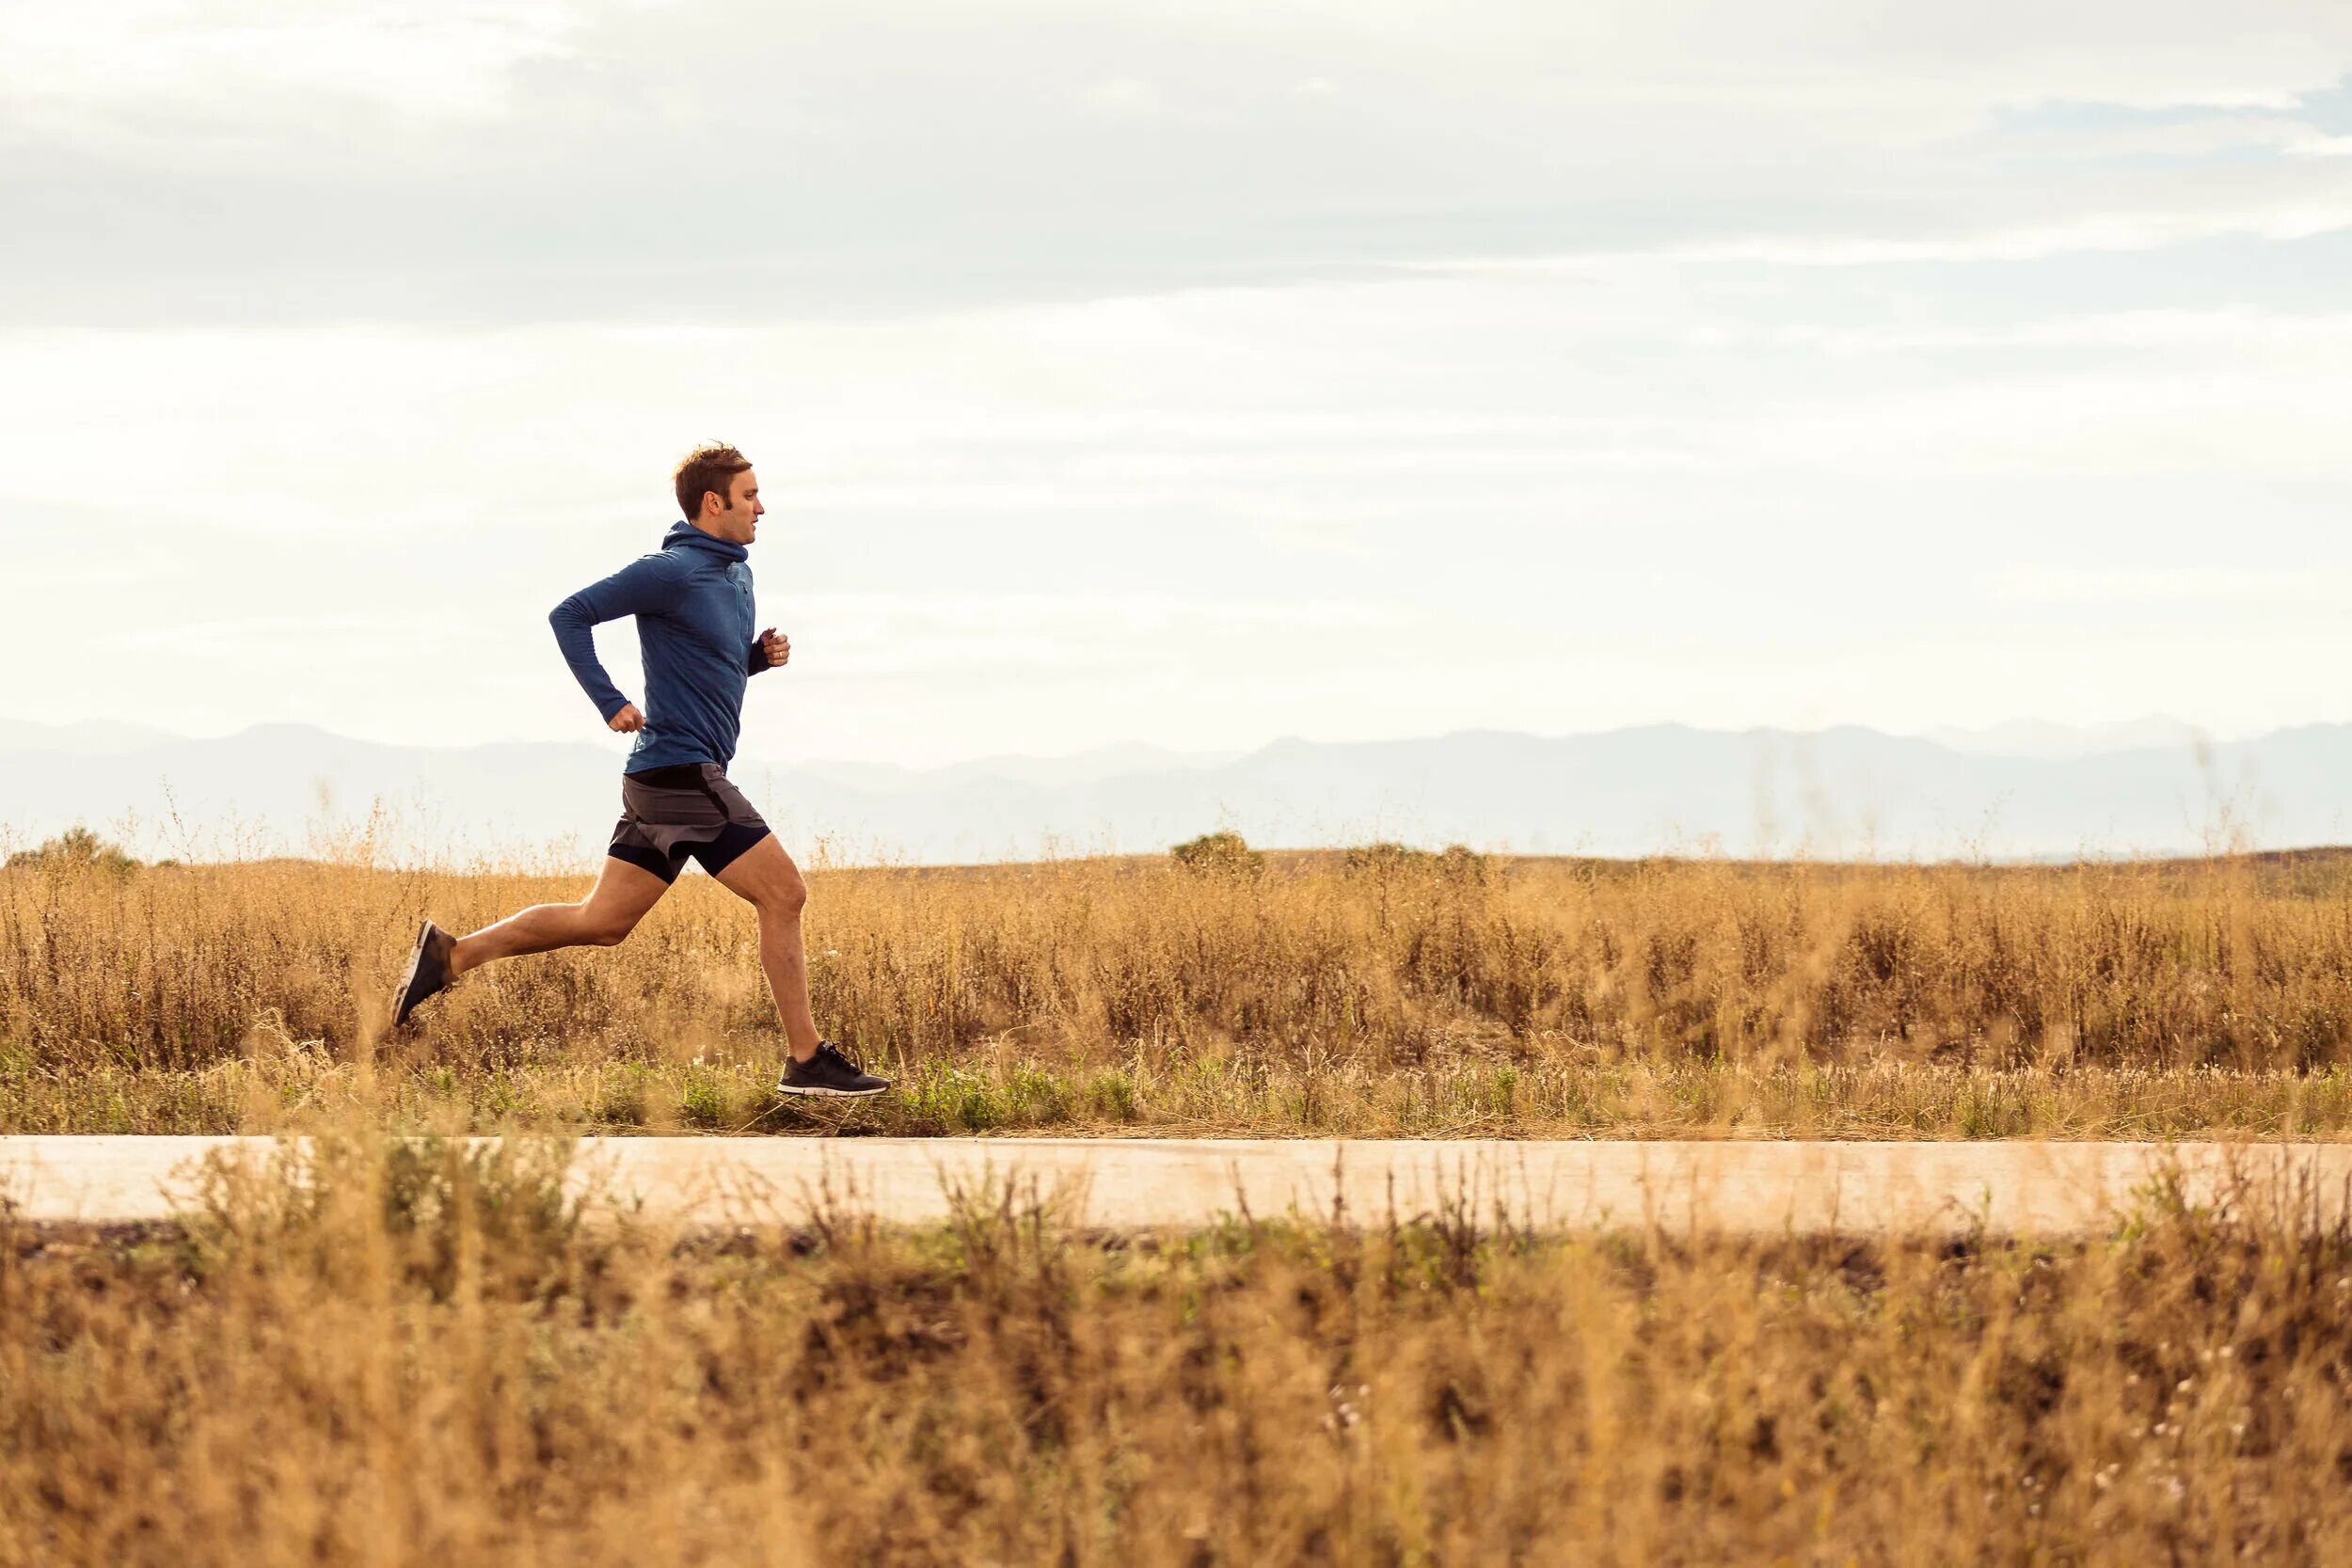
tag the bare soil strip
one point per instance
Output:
(2046, 1189)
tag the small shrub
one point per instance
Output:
(1381, 859)
(1455, 862)
(75, 848)
(1223, 854)
(1459, 863)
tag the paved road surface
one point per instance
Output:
(2047, 1189)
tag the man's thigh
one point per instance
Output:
(623, 892)
(764, 874)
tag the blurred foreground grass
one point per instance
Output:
(424, 1354)
(1373, 992)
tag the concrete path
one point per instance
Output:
(2043, 1189)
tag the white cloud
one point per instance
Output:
(2195, 135)
(875, 633)
(2293, 335)
(105, 72)
(186, 158)
(2320, 211)
(2137, 585)
(1125, 98)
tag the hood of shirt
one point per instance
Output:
(692, 538)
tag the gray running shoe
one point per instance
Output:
(428, 971)
(828, 1072)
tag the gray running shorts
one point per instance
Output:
(669, 814)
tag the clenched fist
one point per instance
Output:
(777, 646)
(628, 718)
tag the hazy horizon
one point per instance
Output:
(2022, 729)
(2031, 792)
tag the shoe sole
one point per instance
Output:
(834, 1094)
(403, 1004)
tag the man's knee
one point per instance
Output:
(775, 888)
(788, 896)
(764, 877)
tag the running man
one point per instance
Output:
(693, 600)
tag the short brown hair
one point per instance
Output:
(711, 467)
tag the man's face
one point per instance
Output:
(739, 522)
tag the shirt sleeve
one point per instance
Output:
(758, 657)
(645, 586)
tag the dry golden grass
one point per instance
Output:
(1390, 996)
(422, 1356)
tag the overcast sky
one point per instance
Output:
(1195, 373)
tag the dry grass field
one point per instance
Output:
(417, 1351)
(416, 1354)
(1371, 994)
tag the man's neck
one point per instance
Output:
(698, 526)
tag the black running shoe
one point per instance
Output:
(828, 1072)
(428, 971)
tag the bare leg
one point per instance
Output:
(765, 877)
(614, 907)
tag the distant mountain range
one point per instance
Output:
(2019, 792)
(2035, 738)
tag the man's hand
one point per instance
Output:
(776, 646)
(628, 718)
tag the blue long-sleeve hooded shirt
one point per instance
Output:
(693, 600)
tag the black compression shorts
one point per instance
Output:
(668, 814)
